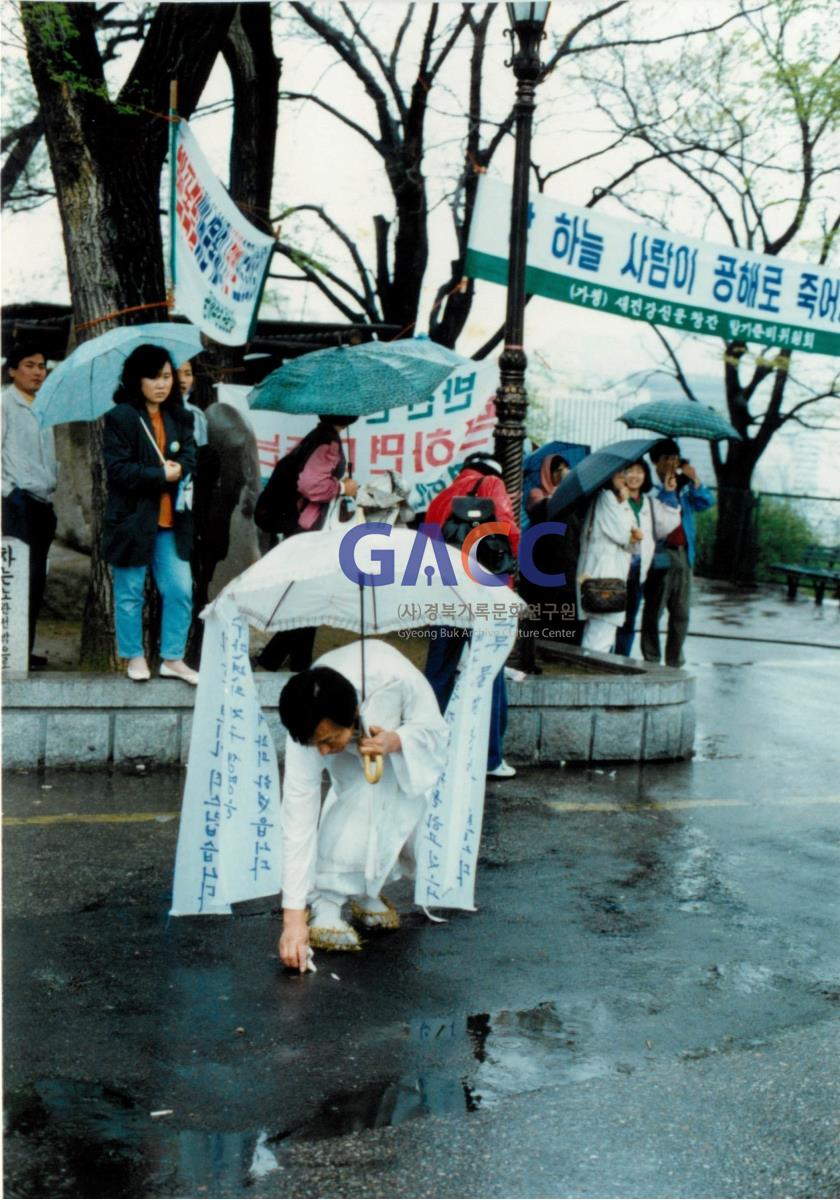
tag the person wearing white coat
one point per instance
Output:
(656, 520)
(612, 534)
(361, 838)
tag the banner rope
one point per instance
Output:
(120, 312)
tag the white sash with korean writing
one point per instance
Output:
(229, 846)
(447, 844)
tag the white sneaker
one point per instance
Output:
(179, 670)
(138, 670)
(503, 771)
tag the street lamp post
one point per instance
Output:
(526, 33)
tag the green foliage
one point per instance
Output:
(53, 29)
(539, 414)
(783, 536)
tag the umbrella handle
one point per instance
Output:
(373, 767)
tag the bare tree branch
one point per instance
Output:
(675, 362)
(367, 298)
(337, 113)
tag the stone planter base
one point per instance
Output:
(614, 712)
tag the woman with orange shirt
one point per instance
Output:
(150, 455)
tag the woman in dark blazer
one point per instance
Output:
(150, 456)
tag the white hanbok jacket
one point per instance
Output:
(605, 546)
(352, 845)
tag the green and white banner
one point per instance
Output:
(585, 257)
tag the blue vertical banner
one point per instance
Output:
(220, 260)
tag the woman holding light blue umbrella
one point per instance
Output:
(81, 388)
(150, 456)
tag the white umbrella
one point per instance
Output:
(303, 581)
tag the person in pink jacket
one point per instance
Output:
(322, 477)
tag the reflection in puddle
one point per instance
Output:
(460, 1068)
(74, 1138)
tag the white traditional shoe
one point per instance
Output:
(384, 917)
(340, 937)
(179, 670)
(503, 771)
(138, 670)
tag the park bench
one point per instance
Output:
(819, 566)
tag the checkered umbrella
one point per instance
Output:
(680, 418)
(357, 380)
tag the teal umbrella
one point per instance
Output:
(81, 388)
(680, 418)
(358, 380)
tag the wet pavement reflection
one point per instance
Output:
(633, 920)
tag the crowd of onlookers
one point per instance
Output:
(630, 547)
(638, 534)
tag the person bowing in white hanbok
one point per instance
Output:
(361, 838)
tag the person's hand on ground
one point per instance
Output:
(293, 946)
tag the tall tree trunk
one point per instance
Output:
(736, 533)
(106, 158)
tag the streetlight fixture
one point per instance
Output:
(526, 32)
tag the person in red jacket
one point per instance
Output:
(483, 473)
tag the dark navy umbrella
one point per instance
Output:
(573, 452)
(594, 470)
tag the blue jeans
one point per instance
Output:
(174, 581)
(446, 644)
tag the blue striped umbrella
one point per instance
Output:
(680, 418)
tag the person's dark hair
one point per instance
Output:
(667, 446)
(336, 419)
(557, 461)
(21, 350)
(608, 486)
(647, 482)
(485, 463)
(314, 695)
(147, 362)
(202, 394)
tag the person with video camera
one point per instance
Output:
(480, 479)
(668, 584)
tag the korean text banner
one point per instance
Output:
(424, 443)
(585, 257)
(446, 844)
(229, 845)
(219, 260)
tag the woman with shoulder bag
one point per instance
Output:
(656, 520)
(150, 457)
(610, 535)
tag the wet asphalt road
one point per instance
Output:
(645, 1004)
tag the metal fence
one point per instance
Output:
(761, 529)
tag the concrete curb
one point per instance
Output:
(69, 719)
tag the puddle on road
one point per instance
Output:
(73, 1138)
